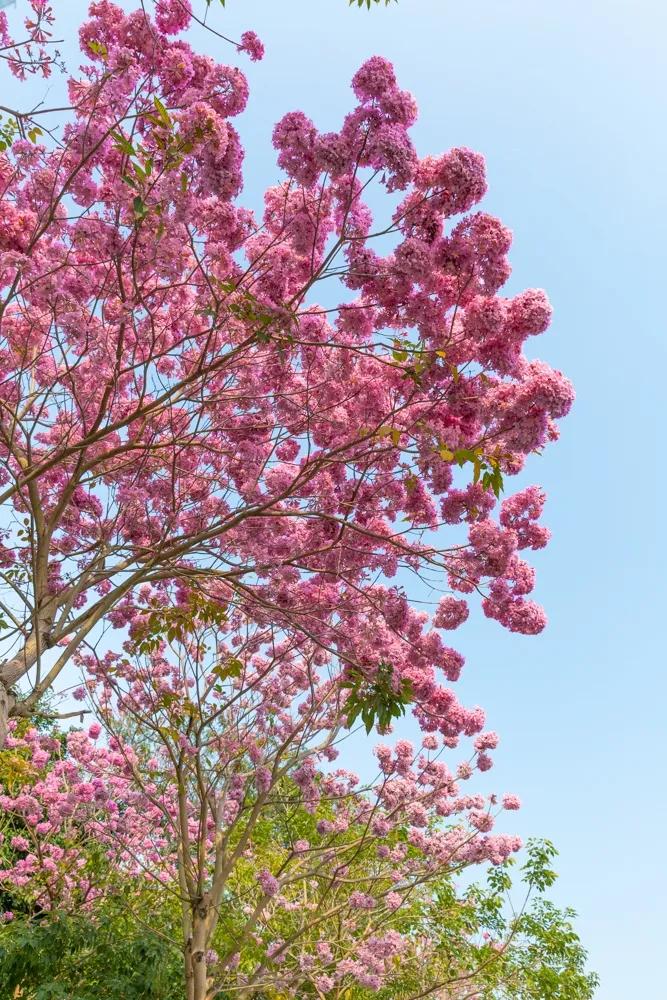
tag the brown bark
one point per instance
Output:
(196, 972)
(7, 702)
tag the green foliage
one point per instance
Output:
(538, 872)
(369, 3)
(478, 939)
(376, 701)
(98, 48)
(111, 957)
(175, 623)
(8, 131)
(485, 467)
(549, 962)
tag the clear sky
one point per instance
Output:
(567, 101)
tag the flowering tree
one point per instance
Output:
(277, 413)
(229, 745)
(236, 439)
(216, 795)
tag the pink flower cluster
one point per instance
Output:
(31, 52)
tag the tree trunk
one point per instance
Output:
(6, 705)
(11, 671)
(196, 970)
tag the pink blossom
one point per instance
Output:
(269, 884)
(361, 901)
(374, 79)
(172, 16)
(251, 44)
(451, 613)
(486, 741)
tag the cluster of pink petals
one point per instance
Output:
(30, 53)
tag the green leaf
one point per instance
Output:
(375, 699)
(123, 144)
(162, 112)
(538, 873)
(232, 668)
(140, 207)
(99, 48)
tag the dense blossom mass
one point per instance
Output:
(279, 413)
(229, 443)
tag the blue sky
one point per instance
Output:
(567, 102)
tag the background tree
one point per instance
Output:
(216, 747)
(318, 903)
